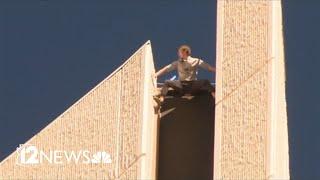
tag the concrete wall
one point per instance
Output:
(251, 123)
(116, 116)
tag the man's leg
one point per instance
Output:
(175, 84)
(203, 85)
(187, 87)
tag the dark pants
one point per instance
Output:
(183, 87)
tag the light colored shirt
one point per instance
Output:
(187, 68)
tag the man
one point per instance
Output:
(187, 68)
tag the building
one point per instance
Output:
(243, 137)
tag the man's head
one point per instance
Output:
(184, 51)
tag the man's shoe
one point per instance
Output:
(157, 103)
(158, 99)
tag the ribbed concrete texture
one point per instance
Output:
(251, 140)
(116, 116)
(186, 138)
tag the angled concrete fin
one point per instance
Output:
(113, 118)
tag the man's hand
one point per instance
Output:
(212, 69)
(213, 94)
(155, 76)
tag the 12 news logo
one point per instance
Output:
(30, 155)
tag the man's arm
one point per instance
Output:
(166, 69)
(206, 66)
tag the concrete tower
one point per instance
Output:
(251, 137)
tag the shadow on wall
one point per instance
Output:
(186, 138)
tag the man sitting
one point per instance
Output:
(187, 68)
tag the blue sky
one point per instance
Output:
(53, 52)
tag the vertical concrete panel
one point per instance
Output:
(108, 118)
(246, 89)
(278, 132)
(150, 124)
